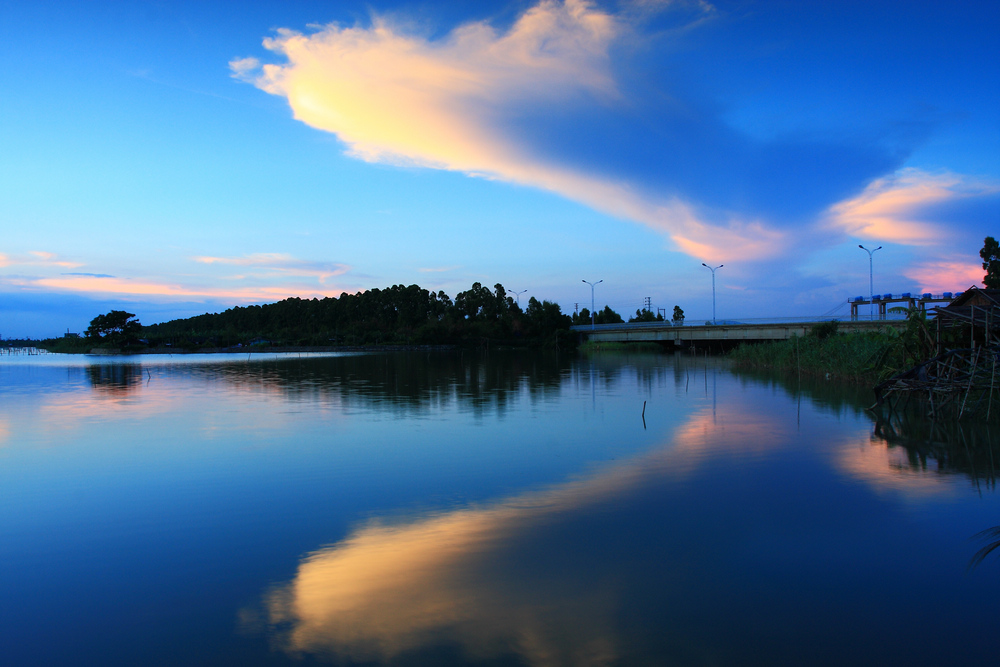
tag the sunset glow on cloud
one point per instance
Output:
(97, 285)
(397, 97)
(890, 208)
(449, 104)
(945, 276)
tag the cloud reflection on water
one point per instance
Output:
(462, 577)
(889, 469)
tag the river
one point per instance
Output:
(502, 508)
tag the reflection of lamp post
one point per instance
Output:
(518, 295)
(713, 286)
(871, 283)
(592, 299)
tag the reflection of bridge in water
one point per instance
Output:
(12, 350)
(725, 333)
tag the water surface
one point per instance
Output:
(461, 508)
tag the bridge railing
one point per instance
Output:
(749, 321)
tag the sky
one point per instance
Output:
(176, 158)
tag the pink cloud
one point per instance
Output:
(945, 276)
(96, 285)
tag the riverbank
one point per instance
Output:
(866, 358)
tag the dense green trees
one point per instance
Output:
(646, 315)
(398, 314)
(115, 329)
(991, 262)
(606, 316)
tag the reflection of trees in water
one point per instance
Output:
(646, 369)
(415, 381)
(115, 378)
(991, 538)
(838, 397)
(948, 446)
(406, 381)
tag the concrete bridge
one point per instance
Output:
(723, 334)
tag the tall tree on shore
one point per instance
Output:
(991, 262)
(115, 328)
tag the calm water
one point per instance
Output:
(457, 508)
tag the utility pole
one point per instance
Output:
(648, 303)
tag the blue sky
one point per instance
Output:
(173, 158)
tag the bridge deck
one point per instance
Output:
(638, 332)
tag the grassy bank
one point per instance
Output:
(857, 357)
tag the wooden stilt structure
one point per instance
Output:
(957, 382)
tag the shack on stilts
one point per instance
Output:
(958, 381)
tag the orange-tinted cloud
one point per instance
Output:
(447, 104)
(892, 208)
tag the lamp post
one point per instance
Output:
(517, 295)
(871, 283)
(713, 286)
(592, 300)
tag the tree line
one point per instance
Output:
(403, 315)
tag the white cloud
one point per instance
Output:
(278, 263)
(240, 66)
(37, 258)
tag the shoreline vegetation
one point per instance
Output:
(861, 358)
(899, 365)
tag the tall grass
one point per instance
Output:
(868, 357)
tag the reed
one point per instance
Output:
(857, 357)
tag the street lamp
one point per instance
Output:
(871, 283)
(592, 300)
(518, 295)
(713, 286)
